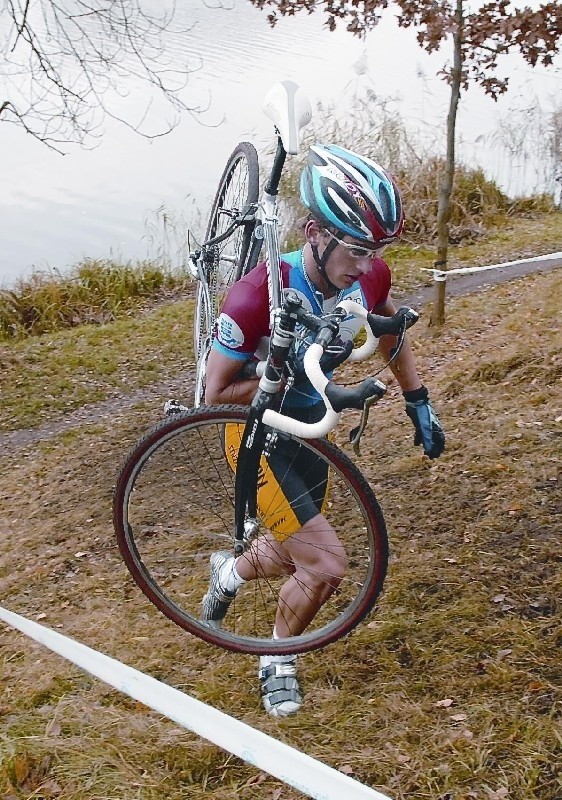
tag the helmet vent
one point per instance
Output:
(387, 206)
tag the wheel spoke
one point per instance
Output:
(174, 507)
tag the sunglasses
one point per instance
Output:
(358, 251)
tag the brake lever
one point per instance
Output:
(356, 433)
(395, 351)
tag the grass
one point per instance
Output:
(451, 690)
(53, 374)
(94, 291)
(65, 369)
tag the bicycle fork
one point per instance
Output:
(254, 436)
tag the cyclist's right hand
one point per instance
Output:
(336, 353)
(429, 432)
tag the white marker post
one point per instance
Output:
(309, 776)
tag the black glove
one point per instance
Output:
(336, 353)
(429, 432)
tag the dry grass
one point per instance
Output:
(374, 127)
(93, 292)
(450, 691)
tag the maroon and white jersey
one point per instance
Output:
(243, 325)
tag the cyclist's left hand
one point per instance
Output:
(429, 432)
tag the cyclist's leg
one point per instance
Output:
(315, 560)
(320, 563)
(303, 544)
(265, 558)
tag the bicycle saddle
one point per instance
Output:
(288, 107)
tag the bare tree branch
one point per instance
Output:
(65, 64)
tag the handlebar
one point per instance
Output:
(337, 398)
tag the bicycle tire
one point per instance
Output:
(173, 506)
(238, 187)
(254, 253)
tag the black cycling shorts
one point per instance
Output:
(292, 480)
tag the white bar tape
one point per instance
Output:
(370, 345)
(311, 777)
(441, 275)
(307, 430)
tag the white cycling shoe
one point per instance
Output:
(279, 687)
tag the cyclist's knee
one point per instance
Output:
(335, 566)
(322, 556)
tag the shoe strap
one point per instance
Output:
(278, 670)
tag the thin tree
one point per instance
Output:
(66, 64)
(479, 36)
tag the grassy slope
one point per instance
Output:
(470, 613)
(44, 376)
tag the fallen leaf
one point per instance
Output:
(459, 717)
(347, 769)
(444, 703)
(504, 653)
(499, 598)
(21, 768)
(536, 686)
(50, 788)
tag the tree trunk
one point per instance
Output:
(446, 184)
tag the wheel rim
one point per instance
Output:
(202, 334)
(174, 507)
(233, 195)
(238, 187)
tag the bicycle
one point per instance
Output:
(190, 486)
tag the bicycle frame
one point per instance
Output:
(289, 111)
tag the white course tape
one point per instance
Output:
(309, 776)
(440, 274)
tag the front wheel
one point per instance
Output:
(174, 507)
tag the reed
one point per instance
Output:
(94, 291)
(374, 127)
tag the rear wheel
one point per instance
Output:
(174, 507)
(226, 260)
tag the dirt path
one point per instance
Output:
(472, 282)
(181, 386)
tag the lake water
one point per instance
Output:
(55, 210)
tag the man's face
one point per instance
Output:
(348, 261)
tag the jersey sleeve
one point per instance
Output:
(376, 284)
(244, 318)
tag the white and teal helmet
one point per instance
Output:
(352, 194)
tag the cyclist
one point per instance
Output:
(355, 211)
